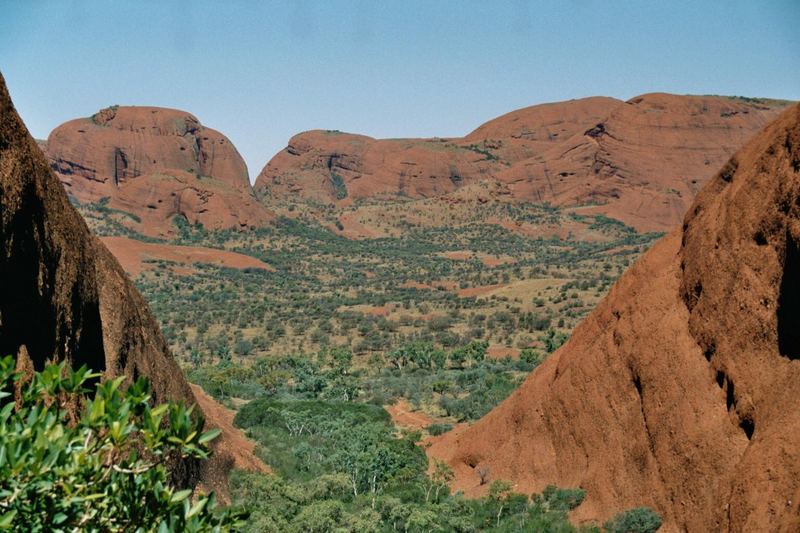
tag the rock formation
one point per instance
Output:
(155, 164)
(640, 161)
(329, 166)
(64, 296)
(681, 391)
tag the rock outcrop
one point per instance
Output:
(681, 391)
(155, 164)
(64, 296)
(640, 161)
(331, 166)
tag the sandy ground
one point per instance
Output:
(133, 254)
(404, 416)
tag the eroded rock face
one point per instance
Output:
(155, 164)
(640, 161)
(681, 391)
(331, 166)
(64, 296)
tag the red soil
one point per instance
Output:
(353, 229)
(478, 291)
(499, 352)
(404, 416)
(233, 441)
(133, 254)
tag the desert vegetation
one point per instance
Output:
(312, 352)
(411, 309)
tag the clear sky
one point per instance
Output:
(263, 71)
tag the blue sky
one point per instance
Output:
(263, 71)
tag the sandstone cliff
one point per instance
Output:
(681, 391)
(155, 164)
(640, 161)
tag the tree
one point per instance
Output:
(398, 357)
(319, 516)
(439, 479)
(370, 455)
(341, 359)
(102, 468)
(459, 357)
(421, 354)
(421, 519)
(475, 351)
(530, 356)
(243, 347)
(552, 340)
(439, 358)
(499, 492)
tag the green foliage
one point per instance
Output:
(303, 440)
(439, 429)
(189, 233)
(553, 340)
(611, 225)
(474, 352)
(486, 153)
(339, 188)
(309, 300)
(638, 520)
(274, 413)
(305, 344)
(530, 356)
(101, 206)
(281, 505)
(342, 467)
(560, 499)
(100, 468)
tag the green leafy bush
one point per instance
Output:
(638, 520)
(99, 468)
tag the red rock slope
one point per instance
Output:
(681, 391)
(414, 167)
(64, 296)
(642, 160)
(155, 163)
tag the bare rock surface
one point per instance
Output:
(681, 391)
(640, 161)
(155, 164)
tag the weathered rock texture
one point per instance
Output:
(156, 164)
(681, 391)
(640, 161)
(64, 296)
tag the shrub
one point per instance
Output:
(99, 470)
(439, 429)
(638, 520)
(266, 412)
(554, 498)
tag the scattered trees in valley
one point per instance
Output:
(449, 318)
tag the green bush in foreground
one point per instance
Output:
(100, 468)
